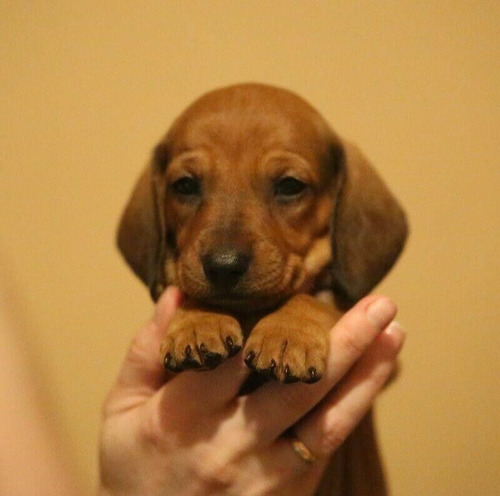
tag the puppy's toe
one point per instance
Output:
(209, 359)
(179, 353)
(305, 364)
(287, 355)
(218, 338)
(265, 358)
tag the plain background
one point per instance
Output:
(87, 88)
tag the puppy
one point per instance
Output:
(251, 204)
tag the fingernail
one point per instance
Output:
(171, 296)
(381, 312)
(175, 293)
(396, 332)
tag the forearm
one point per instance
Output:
(30, 461)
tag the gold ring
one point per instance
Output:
(301, 449)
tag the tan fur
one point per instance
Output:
(214, 214)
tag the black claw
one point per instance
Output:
(313, 376)
(166, 360)
(249, 359)
(170, 365)
(271, 371)
(211, 359)
(232, 348)
(287, 370)
(190, 361)
(289, 378)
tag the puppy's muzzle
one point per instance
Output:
(224, 267)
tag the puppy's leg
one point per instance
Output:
(291, 344)
(200, 339)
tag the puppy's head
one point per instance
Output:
(250, 198)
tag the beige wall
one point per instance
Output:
(87, 88)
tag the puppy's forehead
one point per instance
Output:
(250, 117)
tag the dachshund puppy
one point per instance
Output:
(251, 204)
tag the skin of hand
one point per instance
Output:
(191, 434)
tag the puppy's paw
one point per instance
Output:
(200, 340)
(287, 352)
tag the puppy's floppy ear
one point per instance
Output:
(369, 228)
(139, 236)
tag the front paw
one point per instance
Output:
(200, 340)
(288, 352)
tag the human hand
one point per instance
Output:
(191, 434)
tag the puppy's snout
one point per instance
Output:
(224, 267)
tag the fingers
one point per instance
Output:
(206, 392)
(327, 426)
(142, 373)
(167, 305)
(283, 406)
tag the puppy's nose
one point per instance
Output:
(224, 267)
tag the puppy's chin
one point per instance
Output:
(245, 297)
(240, 303)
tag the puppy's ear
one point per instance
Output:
(139, 231)
(369, 228)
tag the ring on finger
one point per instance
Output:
(301, 450)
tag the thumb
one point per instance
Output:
(142, 372)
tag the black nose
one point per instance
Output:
(224, 267)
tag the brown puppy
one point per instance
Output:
(251, 204)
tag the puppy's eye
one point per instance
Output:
(187, 186)
(289, 187)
